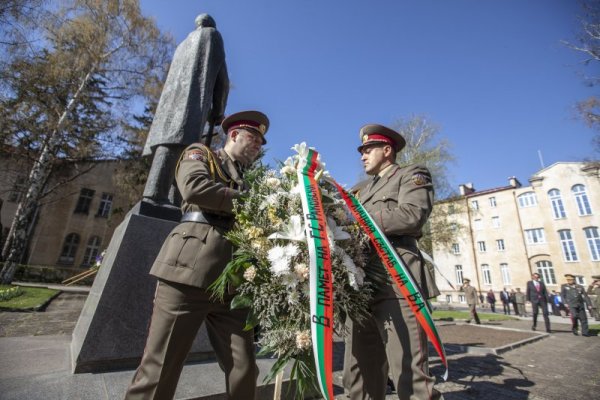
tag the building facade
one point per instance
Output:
(74, 223)
(503, 235)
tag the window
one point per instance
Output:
(105, 205)
(487, 274)
(580, 280)
(481, 246)
(475, 204)
(84, 201)
(459, 274)
(91, 251)
(478, 224)
(593, 242)
(448, 298)
(496, 222)
(583, 204)
(558, 208)
(461, 298)
(18, 190)
(505, 274)
(451, 209)
(67, 256)
(527, 200)
(492, 202)
(535, 236)
(568, 245)
(546, 271)
(453, 227)
(455, 248)
(500, 245)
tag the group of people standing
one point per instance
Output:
(572, 299)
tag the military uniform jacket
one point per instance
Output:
(574, 296)
(470, 294)
(400, 203)
(195, 253)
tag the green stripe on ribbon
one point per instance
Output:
(321, 285)
(397, 271)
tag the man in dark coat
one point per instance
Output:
(399, 199)
(538, 296)
(505, 299)
(195, 91)
(577, 300)
(194, 254)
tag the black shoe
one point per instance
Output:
(575, 332)
(586, 334)
(548, 331)
(533, 328)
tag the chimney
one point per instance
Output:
(514, 182)
(466, 188)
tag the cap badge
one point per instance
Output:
(420, 179)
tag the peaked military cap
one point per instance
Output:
(569, 276)
(373, 134)
(466, 280)
(252, 120)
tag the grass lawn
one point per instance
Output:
(439, 314)
(31, 298)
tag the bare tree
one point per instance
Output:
(96, 57)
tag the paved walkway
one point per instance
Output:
(35, 363)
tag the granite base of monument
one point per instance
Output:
(113, 326)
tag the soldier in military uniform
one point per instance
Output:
(192, 257)
(472, 299)
(577, 300)
(594, 294)
(400, 200)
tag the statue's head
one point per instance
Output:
(204, 21)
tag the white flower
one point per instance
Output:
(293, 230)
(301, 271)
(294, 297)
(289, 166)
(303, 340)
(273, 183)
(302, 149)
(356, 275)
(336, 232)
(280, 258)
(250, 273)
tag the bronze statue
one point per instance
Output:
(195, 92)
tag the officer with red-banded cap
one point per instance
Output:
(400, 199)
(191, 258)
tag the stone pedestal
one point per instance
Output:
(113, 326)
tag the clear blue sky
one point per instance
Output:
(492, 74)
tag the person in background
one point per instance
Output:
(520, 301)
(505, 299)
(491, 299)
(577, 300)
(537, 294)
(472, 299)
(594, 290)
(513, 301)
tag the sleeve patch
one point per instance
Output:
(196, 155)
(420, 179)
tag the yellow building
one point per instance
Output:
(72, 224)
(503, 235)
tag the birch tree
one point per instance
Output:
(95, 57)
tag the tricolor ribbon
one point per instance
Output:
(320, 277)
(397, 271)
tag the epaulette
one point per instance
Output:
(205, 153)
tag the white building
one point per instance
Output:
(503, 235)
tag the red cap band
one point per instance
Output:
(376, 137)
(242, 123)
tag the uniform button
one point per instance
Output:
(183, 233)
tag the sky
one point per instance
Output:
(493, 75)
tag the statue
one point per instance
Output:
(195, 92)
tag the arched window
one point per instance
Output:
(558, 208)
(487, 274)
(546, 271)
(568, 245)
(69, 250)
(91, 251)
(527, 199)
(593, 241)
(583, 204)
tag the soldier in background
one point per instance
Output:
(472, 299)
(576, 299)
(520, 301)
(594, 293)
